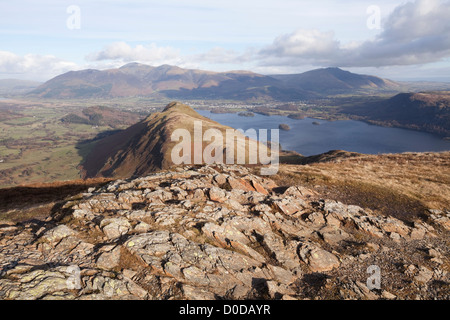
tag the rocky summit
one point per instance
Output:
(220, 232)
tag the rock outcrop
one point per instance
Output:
(219, 232)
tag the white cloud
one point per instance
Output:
(119, 53)
(415, 20)
(219, 55)
(415, 33)
(33, 66)
(151, 54)
(309, 44)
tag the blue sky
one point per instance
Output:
(412, 40)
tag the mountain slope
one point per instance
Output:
(93, 83)
(147, 146)
(426, 111)
(335, 80)
(141, 80)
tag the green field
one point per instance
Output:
(36, 147)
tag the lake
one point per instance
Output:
(349, 135)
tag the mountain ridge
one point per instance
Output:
(335, 80)
(147, 146)
(135, 79)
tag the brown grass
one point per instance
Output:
(403, 185)
(130, 261)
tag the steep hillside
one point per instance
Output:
(428, 111)
(147, 146)
(93, 83)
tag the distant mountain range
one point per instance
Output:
(136, 79)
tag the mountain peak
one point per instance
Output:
(133, 65)
(147, 146)
(334, 68)
(175, 105)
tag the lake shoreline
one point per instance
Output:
(331, 118)
(312, 136)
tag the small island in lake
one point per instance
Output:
(221, 111)
(246, 114)
(296, 116)
(316, 123)
(284, 127)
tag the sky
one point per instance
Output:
(398, 40)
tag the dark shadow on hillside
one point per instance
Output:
(292, 157)
(84, 147)
(243, 88)
(40, 200)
